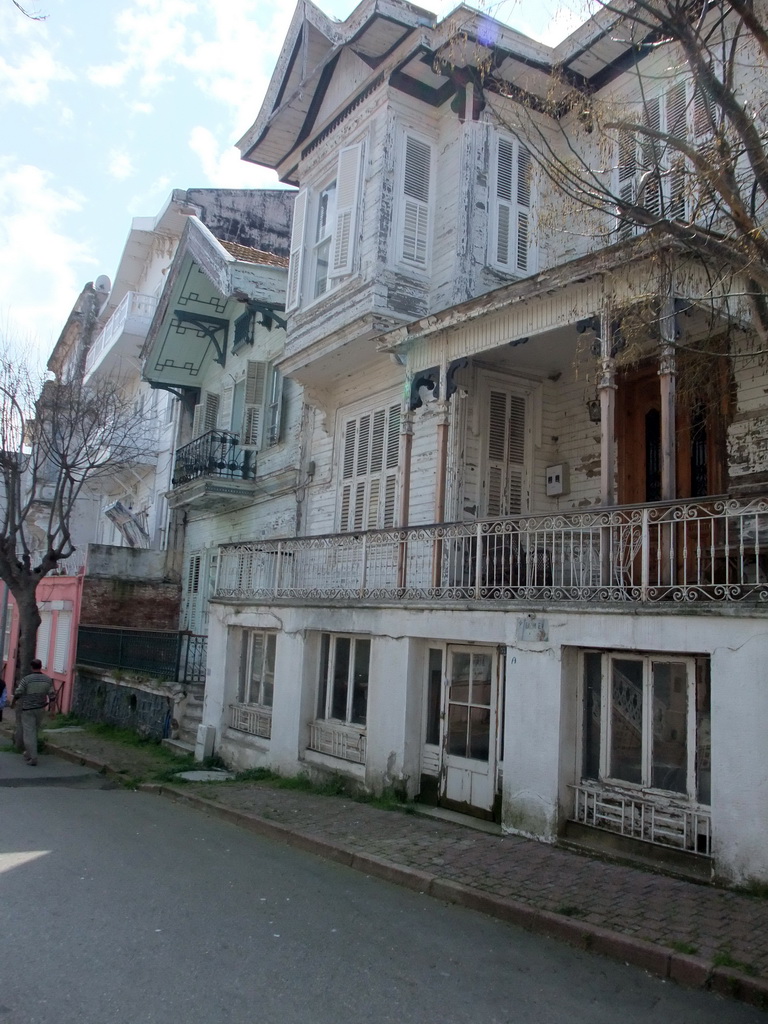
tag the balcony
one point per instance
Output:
(711, 551)
(123, 334)
(213, 471)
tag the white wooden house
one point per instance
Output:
(506, 583)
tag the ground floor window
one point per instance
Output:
(646, 721)
(343, 689)
(257, 668)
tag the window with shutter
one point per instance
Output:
(297, 251)
(42, 650)
(347, 189)
(275, 407)
(256, 378)
(61, 644)
(371, 449)
(415, 200)
(206, 416)
(511, 206)
(505, 453)
(192, 593)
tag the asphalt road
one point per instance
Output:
(122, 908)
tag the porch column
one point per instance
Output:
(668, 384)
(406, 448)
(607, 391)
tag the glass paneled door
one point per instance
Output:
(471, 728)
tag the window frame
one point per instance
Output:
(327, 697)
(601, 768)
(267, 639)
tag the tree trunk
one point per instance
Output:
(29, 621)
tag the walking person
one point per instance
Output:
(32, 696)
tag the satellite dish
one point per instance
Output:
(103, 285)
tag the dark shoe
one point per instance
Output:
(26, 756)
(31, 763)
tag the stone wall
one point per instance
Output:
(146, 709)
(130, 604)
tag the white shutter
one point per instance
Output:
(371, 447)
(42, 650)
(275, 411)
(297, 250)
(511, 226)
(61, 645)
(677, 128)
(417, 172)
(505, 452)
(650, 158)
(256, 377)
(206, 415)
(225, 408)
(347, 199)
(627, 178)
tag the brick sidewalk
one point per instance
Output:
(694, 933)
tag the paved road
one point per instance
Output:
(122, 908)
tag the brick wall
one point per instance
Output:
(131, 604)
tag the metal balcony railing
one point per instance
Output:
(215, 454)
(711, 550)
(137, 308)
(156, 653)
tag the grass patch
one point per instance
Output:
(683, 947)
(62, 722)
(334, 785)
(724, 958)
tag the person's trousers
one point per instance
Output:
(27, 726)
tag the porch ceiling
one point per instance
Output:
(181, 349)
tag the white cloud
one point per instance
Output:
(120, 164)
(109, 75)
(27, 78)
(40, 265)
(222, 165)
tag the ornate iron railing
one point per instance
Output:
(215, 454)
(338, 740)
(249, 718)
(156, 653)
(712, 550)
(641, 816)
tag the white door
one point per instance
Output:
(471, 728)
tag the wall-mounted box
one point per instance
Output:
(558, 480)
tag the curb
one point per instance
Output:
(689, 971)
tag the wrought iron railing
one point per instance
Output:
(215, 454)
(156, 653)
(714, 550)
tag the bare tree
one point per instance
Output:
(683, 154)
(58, 438)
(28, 14)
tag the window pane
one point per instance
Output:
(457, 729)
(479, 733)
(242, 686)
(340, 678)
(593, 683)
(268, 677)
(322, 696)
(626, 720)
(670, 716)
(481, 679)
(360, 681)
(460, 677)
(703, 732)
(434, 693)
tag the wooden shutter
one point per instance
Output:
(42, 650)
(371, 451)
(676, 128)
(505, 470)
(206, 415)
(650, 156)
(627, 178)
(225, 409)
(192, 594)
(61, 644)
(256, 378)
(347, 199)
(275, 411)
(512, 207)
(417, 171)
(297, 250)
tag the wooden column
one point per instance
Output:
(406, 447)
(668, 386)
(607, 391)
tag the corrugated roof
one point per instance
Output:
(245, 254)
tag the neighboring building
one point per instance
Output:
(577, 646)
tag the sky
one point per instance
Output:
(108, 105)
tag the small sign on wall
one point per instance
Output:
(532, 630)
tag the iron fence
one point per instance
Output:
(214, 454)
(157, 653)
